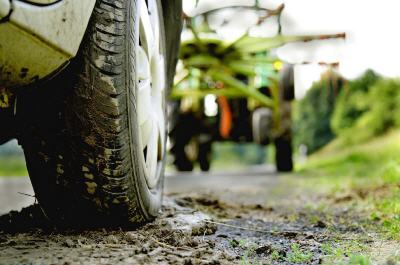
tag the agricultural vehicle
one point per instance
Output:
(250, 88)
(83, 86)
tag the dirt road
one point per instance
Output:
(250, 217)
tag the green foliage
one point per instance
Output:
(331, 251)
(364, 108)
(348, 253)
(352, 101)
(382, 112)
(384, 99)
(297, 255)
(249, 251)
(313, 113)
(359, 260)
(275, 256)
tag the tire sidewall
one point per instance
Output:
(150, 199)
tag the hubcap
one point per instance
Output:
(151, 72)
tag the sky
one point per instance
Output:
(371, 27)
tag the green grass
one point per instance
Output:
(367, 160)
(237, 156)
(368, 171)
(11, 166)
(344, 253)
(359, 260)
(297, 255)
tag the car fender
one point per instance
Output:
(37, 37)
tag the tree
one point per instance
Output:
(353, 101)
(312, 120)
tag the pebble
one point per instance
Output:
(69, 243)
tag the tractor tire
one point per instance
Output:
(191, 141)
(283, 143)
(182, 128)
(182, 162)
(96, 156)
(181, 159)
(204, 156)
(283, 154)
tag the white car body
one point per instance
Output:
(39, 37)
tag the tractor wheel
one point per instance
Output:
(181, 159)
(98, 156)
(187, 153)
(191, 141)
(283, 143)
(204, 156)
(283, 154)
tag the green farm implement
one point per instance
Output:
(232, 90)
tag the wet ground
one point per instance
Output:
(249, 217)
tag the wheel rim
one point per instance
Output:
(151, 87)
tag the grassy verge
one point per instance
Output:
(12, 166)
(367, 174)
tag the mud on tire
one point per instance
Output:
(85, 155)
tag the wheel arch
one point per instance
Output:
(37, 40)
(172, 13)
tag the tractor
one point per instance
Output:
(232, 89)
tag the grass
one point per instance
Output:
(248, 249)
(11, 166)
(298, 255)
(345, 253)
(369, 172)
(228, 155)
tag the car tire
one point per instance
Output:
(99, 159)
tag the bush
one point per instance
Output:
(381, 114)
(360, 110)
(312, 115)
(352, 102)
(384, 107)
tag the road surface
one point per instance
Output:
(253, 216)
(17, 192)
